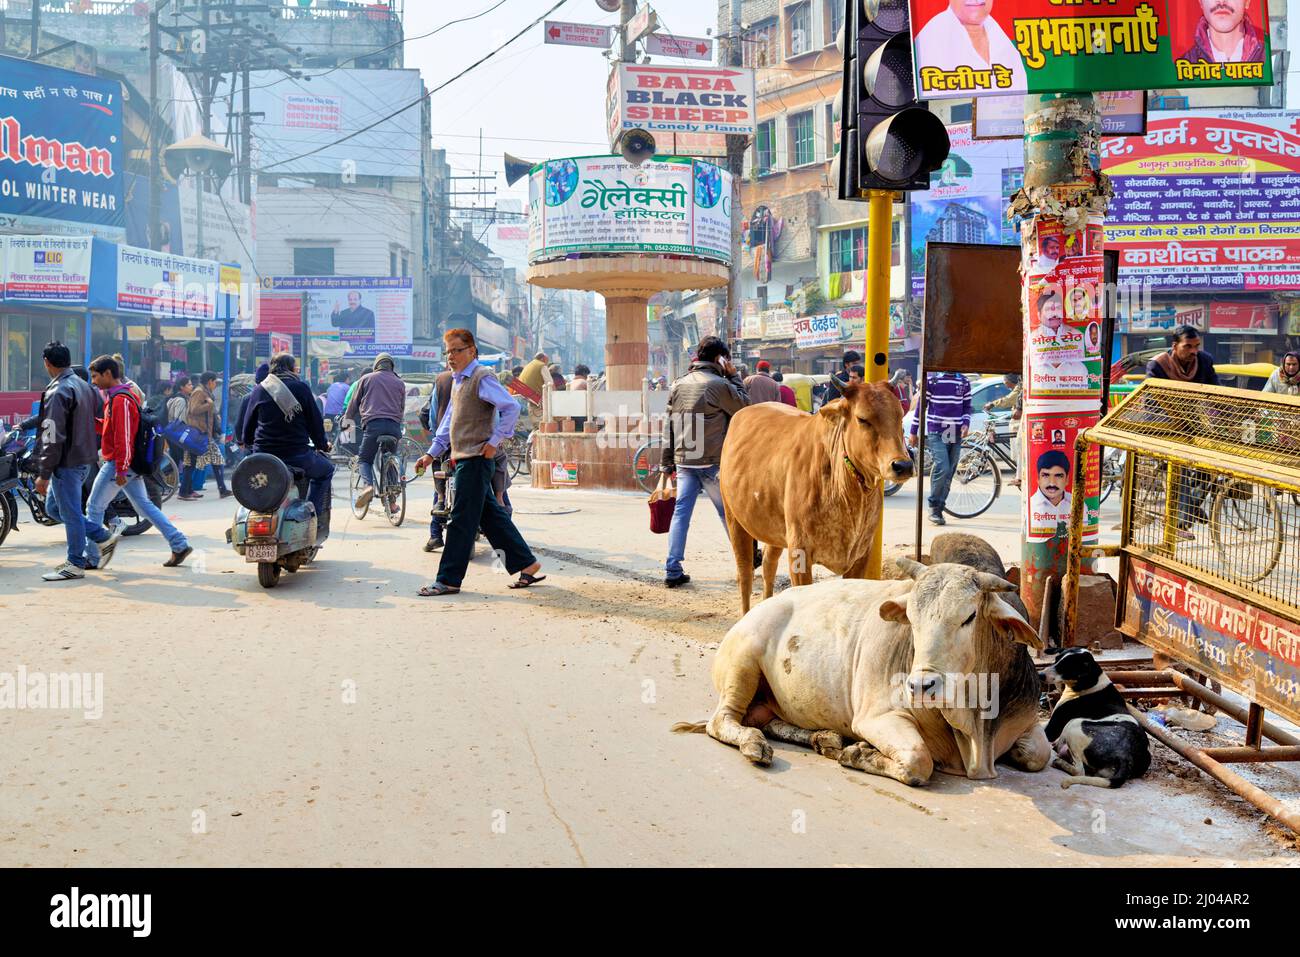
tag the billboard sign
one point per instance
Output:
(1258, 318)
(46, 269)
(965, 202)
(368, 315)
(1207, 201)
(683, 48)
(61, 158)
(577, 34)
(817, 332)
(1040, 46)
(681, 99)
(309, 121)
(604, 204)
(142, 282)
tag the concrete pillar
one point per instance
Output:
(627, 346)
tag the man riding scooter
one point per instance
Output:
(283, 419)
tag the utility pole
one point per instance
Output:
(736, 144)
(155, 188)
(36, 29)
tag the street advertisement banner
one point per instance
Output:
(1163, 318)
(568, 34)
(1064, 294)
(1245, 647)
(973, 49)
(61, 166)
(1049, 467)
(48, 269)
(965, 202)
(817, 332)
(368, 314)
(1123, 113)
(604, 204)
(778, 323)
(151, 283)
(682, 99)
(1243, 317)
(1207, 200)
(312, 123)
(751, 320)
(853, 323)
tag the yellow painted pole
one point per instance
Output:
(880, 214)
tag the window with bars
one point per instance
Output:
(832, 132)
(848, 252)
(799, 26)
(833, 18)
(313, 261)
(759, 45)
(803, 139)
(765, 147)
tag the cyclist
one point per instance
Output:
(378, 403)
(1015, 401)
(283, 419)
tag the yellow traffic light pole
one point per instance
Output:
(880, 213)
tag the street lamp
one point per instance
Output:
(199, 157)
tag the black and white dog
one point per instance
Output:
(1096, 740)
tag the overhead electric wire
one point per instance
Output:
(424, 96)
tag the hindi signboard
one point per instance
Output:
(1207, 201)
(683, 48)
(45, 269)
(149, 283)
(61, 158)
(1042, 46)
(370, 314)
(680, 99)
(604, 204)
(577, 34)
(817, 332)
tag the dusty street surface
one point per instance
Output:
(340, 719)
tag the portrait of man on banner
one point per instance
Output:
(1224, 33)
(964, 34)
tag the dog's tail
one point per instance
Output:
(1094, 782)
(689, 727)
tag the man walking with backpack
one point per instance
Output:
(125, 445)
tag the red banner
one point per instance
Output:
(1243, 317)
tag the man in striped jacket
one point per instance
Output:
(117, 444)
(947, 419)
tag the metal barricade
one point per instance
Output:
(1209, 557)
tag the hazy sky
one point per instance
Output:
(530, 95)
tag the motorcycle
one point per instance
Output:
(274, 528)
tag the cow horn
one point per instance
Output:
(990, 582)
(910, 568)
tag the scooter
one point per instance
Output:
(274, 527)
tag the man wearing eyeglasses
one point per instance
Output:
(480, 417)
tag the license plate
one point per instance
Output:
(260, 553)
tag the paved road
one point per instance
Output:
(339, 719)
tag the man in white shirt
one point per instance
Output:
(965, 34)
(1051, 503)
(1049, 372)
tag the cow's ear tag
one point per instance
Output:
(894, 610)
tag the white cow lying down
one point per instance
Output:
(929, 672)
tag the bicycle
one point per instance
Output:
(645, 469)
(977, 480)
(390, 483)
(519, 453)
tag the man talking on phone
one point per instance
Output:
(700, 406)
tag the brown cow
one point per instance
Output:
(810, 483)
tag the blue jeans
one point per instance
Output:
(319, 471)
(65, 490)
(102, 494)
(943, 465)
(690, 483)
(370, 444)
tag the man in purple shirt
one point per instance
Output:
(947, 419)
(337, 393)
(480, 416)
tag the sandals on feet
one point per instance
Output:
(526, 579)
(437, 589)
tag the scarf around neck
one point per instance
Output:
(1175, 369)
(285, 399)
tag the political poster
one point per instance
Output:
(45, 269)
(1064, 297)
(604, 204)
(366, 314)
(61, 166)
(974, 48)
(1049, 467)
(1207, 201)
(964, 203)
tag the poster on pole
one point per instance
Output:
(1207, 201)
(1064, 293)
(1051, 486)
(973, 49)
(965, 202)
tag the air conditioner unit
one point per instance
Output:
(1168, 103)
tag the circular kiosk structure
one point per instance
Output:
(600, 224)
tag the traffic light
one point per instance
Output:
(888, 139)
